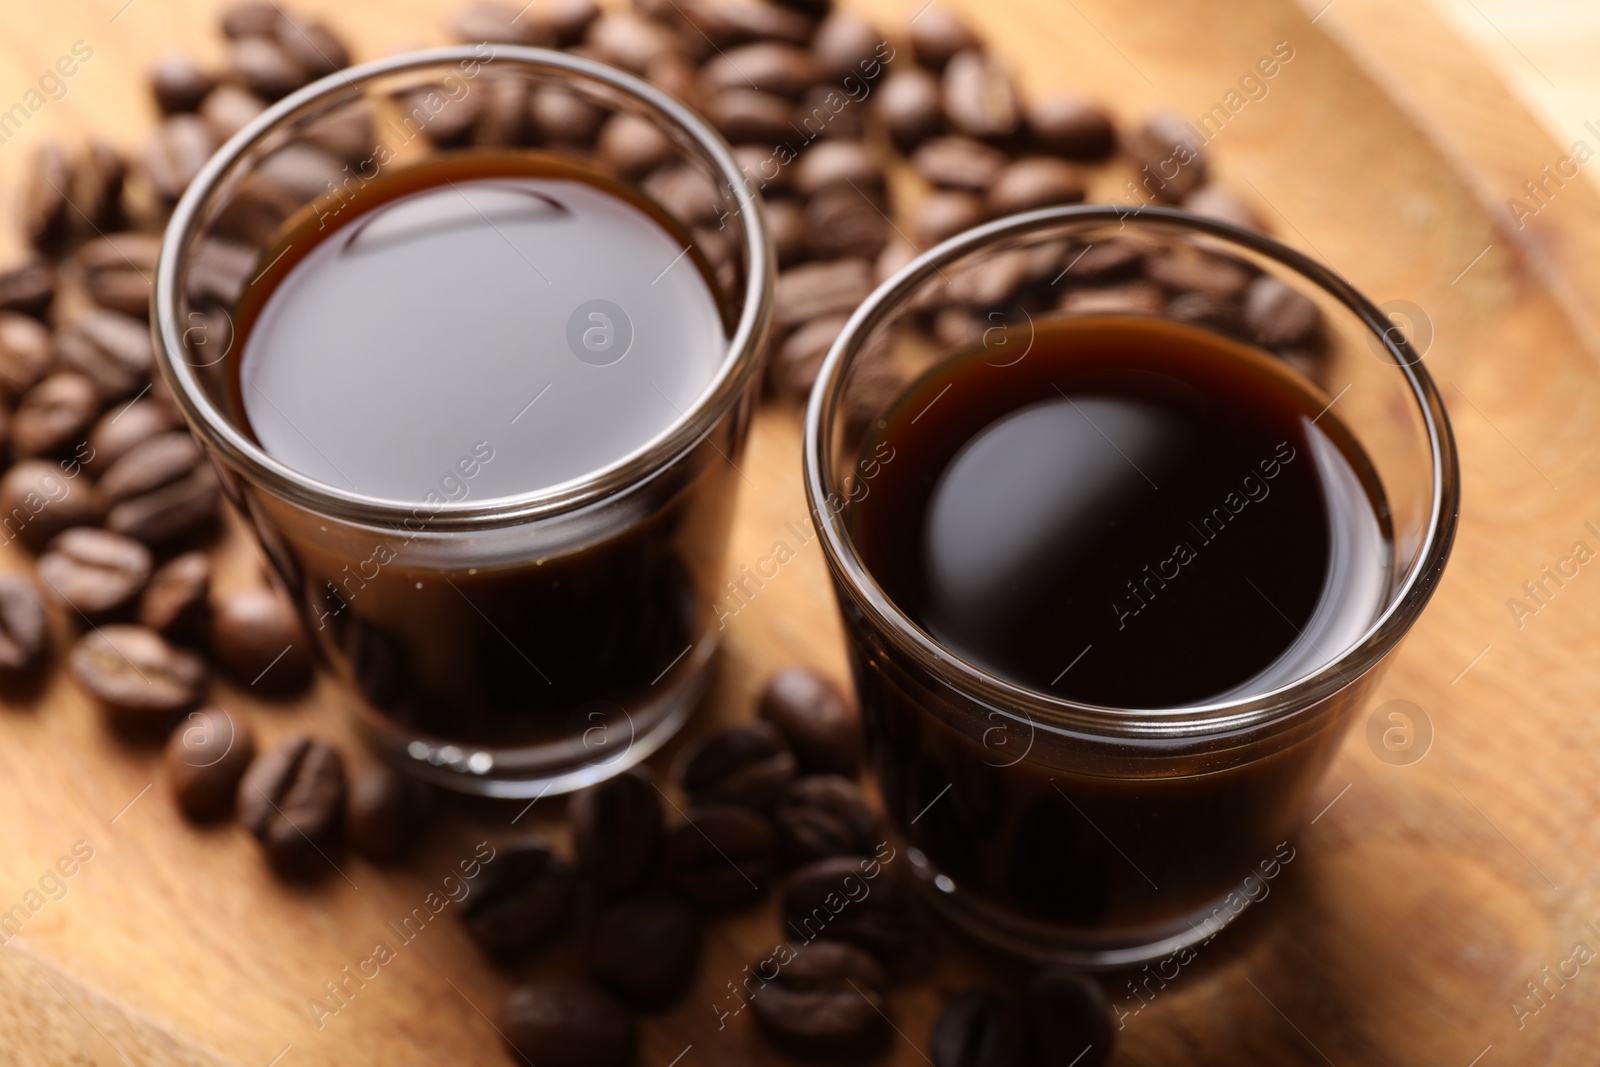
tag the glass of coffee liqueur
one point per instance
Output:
(472, 336)
(1125, 510)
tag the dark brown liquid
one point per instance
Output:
(435, 339)
(1138, 515)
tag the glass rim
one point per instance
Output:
(1402, 606)
(739, 362)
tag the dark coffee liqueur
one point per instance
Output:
(1137, 514)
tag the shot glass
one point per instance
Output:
(517, 645)
(1103, 837)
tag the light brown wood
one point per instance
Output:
(1420, 902)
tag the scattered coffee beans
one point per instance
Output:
(523, 897)
(980, 1028)
(814, 717)
(291, 798)
(23, 637)
(174, 601)
(721, 857)
(567, 1024)
(616, 831)
(828, 998)
(749, 766)
(96, 573)
(645, 949)
(139, 679)
(385, 812)
(256, 637)
(206, 756)
(821, 816)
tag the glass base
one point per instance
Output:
(1049, 944)
(602, 740)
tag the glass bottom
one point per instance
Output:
(1050, 945)
(602, 740)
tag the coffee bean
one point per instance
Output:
(828, 998)
(958, 163)
(562, 1023)
(990, 283)
(96, 573)
(347, 134)
(495, 22)
(721, 858)
(1037, 181)
(138, 678)
(447, 123)
(627, 40)
(895, 256)
(826, 113)
(1070, 126)
(911, 107)
(1108, 260)
(250, 18)
(112, 350)
(793, 370)
(97, 181)
(766, 66)
(1222, 313)
(725, 23)
(845, 222)
(563, 22)
(1221, 203)
(161, 490)
(835, 164)
(265, 68)
(1170, 155)
(956, 327)
(980, 99)
(938, 35)
(815, 289)
(676, 75)
(504, 117)
(256, 636)
(821, 816)
(1185, 269)
(385, 812)
(616, 831)
(174, 153)
(46, 196)
(26, 353)
(846, 46)
(1123, 298)
(218, 272)
(54, 415)
(980, 1028)
(815, 718)
(748, 116)
(123, 428)
(524, 896)
(206, 756)
(562, 117)
(291, 799)
(1069, 1020)
(312, 46)
(28, 287)
(686, 194)
(1279, 316)
(632, 145)
(748, 766)
(786, 225)
(24, 638)
(228, 109)
(945, 213)
(38, 500)
(852, 899)
(174, 603)
(179, 84)
(645, 949)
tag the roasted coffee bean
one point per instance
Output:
(495, 22)
(217, 274)
(227, 109)
(725, 23)
(686, 194)
(1279, 316)
(447, 123)
(938, 35)
(97, 182)
(562, 117)
(123, 428)
(1221, 203)
(206, 756)
(826, 113)
(815, 289)
(312, 46)
(911, 107)
(304, 170)
(251, 18)
(26, 352)
(46, 196)
(265, 68)
(765, 168)
(896, 255)
(385, 812)
(1171, 157)
(834, 164)
(39, 499)
(676, 75)
(627, 40)
(1069, 1020)
(876, 913)
(632, 145)
(95, 572)
(1037, 181)
(112, 350)
(980, 1028)
(847, 46)
(747, 765)
(504, 118)
(162, 489)
(28, 287)
(1222, 313)
(1071, 126)
(766, 66)
(1103, 261)
(820, 725)
(139, 679)
(1123, 298)
(958, 163)
(945, 213)
(845, 222)
(562, 1023)
(793, 370)
(828, 998)
(291, 798)
(54, 415)
(256, 636)
(617, 831)
(645, 949)
(563, 22)
(174, 603)
(786, 225)
(346, 134)
(124, 291)
(174, 153)
(1185, 269)
(24, 638)
(821, 816)
(748, 116)
(956, 327)
(980, 99)
(721, 858)
(179, 84)
(523, 897)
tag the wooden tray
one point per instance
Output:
(1423, 899)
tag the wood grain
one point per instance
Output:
(1420, 902)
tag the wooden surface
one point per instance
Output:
(1420, 903)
